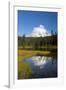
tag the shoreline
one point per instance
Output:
(23, 54)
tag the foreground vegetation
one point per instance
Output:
(23, 54)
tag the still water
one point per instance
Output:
(42, 66)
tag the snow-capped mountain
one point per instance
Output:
(39, 31)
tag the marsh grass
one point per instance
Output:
(23, 54)
(24, 71)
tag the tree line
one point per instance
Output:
(38, 43)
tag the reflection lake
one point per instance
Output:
(42, 66)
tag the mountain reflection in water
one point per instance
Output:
(42, 67)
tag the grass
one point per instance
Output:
(24, 71)
(23, 54)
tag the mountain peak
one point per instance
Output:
(39, 31)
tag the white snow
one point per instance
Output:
(39, 31)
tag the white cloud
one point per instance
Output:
(39, 31)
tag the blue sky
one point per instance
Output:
(27, 20)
